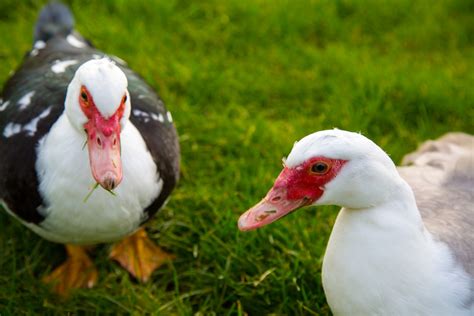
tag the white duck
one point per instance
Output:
(393, 250)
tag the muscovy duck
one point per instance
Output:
(71, 119)
(393, 250)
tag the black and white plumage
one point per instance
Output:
(45, 171)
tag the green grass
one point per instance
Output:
(244, 80)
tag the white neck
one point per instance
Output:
(382, 261)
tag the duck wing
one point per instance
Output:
(441, 174)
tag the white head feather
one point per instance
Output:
(365, 180)
(107, 85)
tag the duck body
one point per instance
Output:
(392, 265)
(402, 243)
(45, 175)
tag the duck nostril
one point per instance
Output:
(109, 184)
(276, 198)
(99, 142)
(115, 141)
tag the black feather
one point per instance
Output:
(55, 19)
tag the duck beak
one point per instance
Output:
(274, 206)
(104, 150)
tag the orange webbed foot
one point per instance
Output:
(139, 255)
(77, 271)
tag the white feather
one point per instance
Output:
(380, 259)
(74, 41)
(66, 179)
(25, 101)
(60, 66)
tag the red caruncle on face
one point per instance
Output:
(294, 188)
(103, 141)
(307, 180)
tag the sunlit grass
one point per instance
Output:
(244, 80)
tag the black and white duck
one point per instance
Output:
(73, 119)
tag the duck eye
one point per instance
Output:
(84, 96)
(320, 168)
(124, 99)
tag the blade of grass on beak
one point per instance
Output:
(91, 191)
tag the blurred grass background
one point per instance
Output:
(244, 79)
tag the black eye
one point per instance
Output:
(84, 96)
(320, 168)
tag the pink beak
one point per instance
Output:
(274, 206)
(104, 150)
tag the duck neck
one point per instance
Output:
(380, 237)
(382, 260)
(397, 214)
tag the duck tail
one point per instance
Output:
(55, 19)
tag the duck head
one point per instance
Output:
(98, 106)
(332, 167)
